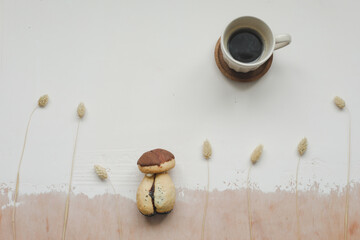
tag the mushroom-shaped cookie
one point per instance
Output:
(156, 193)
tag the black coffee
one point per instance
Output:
(245, 45)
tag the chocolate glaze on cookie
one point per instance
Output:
(155, 157)
(151, 194)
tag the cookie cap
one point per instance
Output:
(156, 161)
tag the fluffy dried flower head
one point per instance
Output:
(339, 102)
(81, 110)
(101, 172)
(302, 146)
(256, 153)
(43, 100)
(207, 150)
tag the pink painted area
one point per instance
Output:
(322, 216)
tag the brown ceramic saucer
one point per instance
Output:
(238, 76)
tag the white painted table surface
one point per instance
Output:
(146, 73)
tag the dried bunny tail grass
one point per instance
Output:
(103, 175)
(117, 208)
(302, 146)
(339, 102)
(117, 202)
(101, 172)
(81, 110)
(249, 202)
(297, 200)
(81, 113)
(206, 204)
(18, 175)
(256, 153)
(43, 100)
(207, 150)
(346, 218)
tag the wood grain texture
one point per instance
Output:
(274, 217)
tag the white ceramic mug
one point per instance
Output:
(270, 42)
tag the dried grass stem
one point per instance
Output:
(18, 175)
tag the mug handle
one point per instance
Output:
(282, 40)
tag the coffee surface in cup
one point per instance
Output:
(245, 45)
